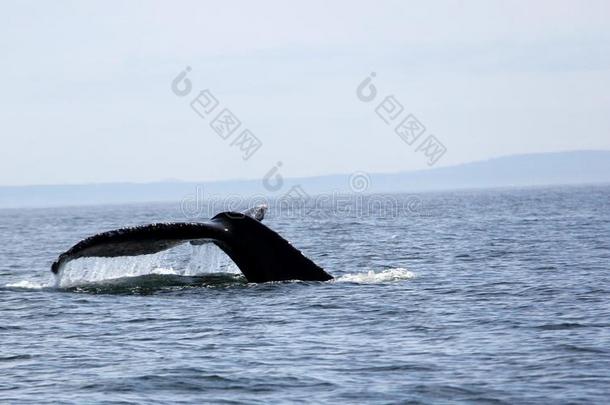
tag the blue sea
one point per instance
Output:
(485, 296)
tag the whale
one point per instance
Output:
(260, 253)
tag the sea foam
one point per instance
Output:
(372, 277)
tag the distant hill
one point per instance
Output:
(578, 167)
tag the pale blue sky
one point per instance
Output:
(86, 85)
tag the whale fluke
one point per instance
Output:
(260, 253)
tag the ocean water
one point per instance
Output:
(497, 296)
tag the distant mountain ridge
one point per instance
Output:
(559, 168)
(580, 167)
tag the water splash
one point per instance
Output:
(201, 260)
(209, 258)
(371, 277)
(27, 285)
(185, 261)
(96, 269)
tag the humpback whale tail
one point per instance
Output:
(260, 253)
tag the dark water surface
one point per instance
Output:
(496, 296)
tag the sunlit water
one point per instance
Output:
(495, 296)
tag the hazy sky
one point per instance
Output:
(86, 86)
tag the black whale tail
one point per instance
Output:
(260, 253)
